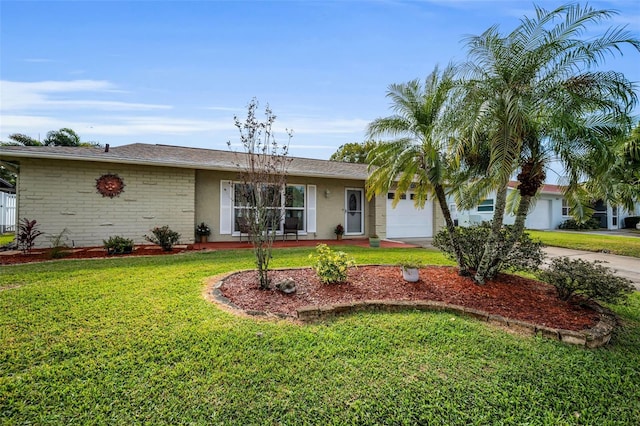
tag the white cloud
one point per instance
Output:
(112, 125)
(21, 96)
(94, 109)
(154, 125)
(150, 125)
(18, 123)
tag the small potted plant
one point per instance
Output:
(411, 270)
(203, 231)
(374, 241)
(339, 231)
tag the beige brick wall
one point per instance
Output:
(62, 194)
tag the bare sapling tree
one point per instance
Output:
(258, 198)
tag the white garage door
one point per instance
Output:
(406, 221)
(540, 217)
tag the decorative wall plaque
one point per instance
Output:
(110, 185)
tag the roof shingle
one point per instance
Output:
(183, 157)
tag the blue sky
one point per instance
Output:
(176, 72)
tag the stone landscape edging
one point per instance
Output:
(595, 337)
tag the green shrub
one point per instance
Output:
(58, 244)
(592, 223)
(331, 267)
(164, 237)
(118, 245)
(631, 221)
(27, 233)
(590, 279)
(526, 254)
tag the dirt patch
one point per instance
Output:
(507, 295)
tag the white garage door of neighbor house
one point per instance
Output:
(540, 217)
(407, 221)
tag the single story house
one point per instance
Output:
(549, 211)
(127, 190)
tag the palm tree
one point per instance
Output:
(415, 158)
(62, 137)
(534, 93)
(22, 139)
(619, 185)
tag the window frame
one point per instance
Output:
(486, 206)
(302, 225)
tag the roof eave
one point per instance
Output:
(142, 162)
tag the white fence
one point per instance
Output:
(7, 212)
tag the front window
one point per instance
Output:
(291, 203)
(243, 198)
(294, 204)
(486, 205)
(566, 210)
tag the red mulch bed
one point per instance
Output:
(507, 295)
(83, 253)
(40, 255)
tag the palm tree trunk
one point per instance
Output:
(521, 216)
(442, 200)
(490, 248)
(516, 233)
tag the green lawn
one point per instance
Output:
(131, 341)
(615, 244)
(6, 239)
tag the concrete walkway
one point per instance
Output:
(624, 266)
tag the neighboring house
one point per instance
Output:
(79, 189)
(6, 187)
(550, 210)
(7, 206)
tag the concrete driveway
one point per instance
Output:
(624, 266)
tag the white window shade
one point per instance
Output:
(225, 207)
(311, 208)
